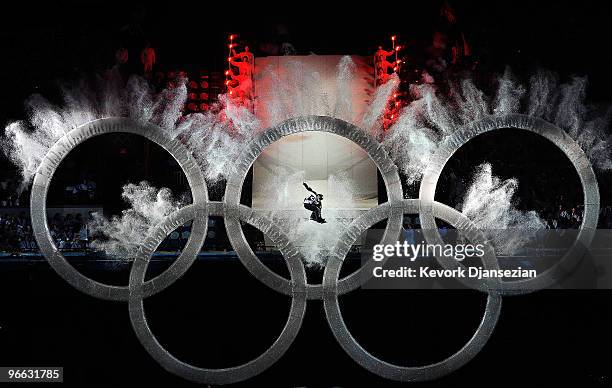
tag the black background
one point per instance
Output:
(217, 315)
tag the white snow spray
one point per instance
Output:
(122, 235)
(217, 137)
(488, 204)
(431, 117)
(214, 137)
(298, 89)
(26, 142)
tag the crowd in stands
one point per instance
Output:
(564, 218)
(80, 193)
(69, 231)
(83, 192)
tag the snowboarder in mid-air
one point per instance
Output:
(313, 203)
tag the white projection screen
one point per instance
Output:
(320, 159)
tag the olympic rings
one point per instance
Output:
(569, 147)
(297, 287)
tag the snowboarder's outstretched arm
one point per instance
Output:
(309, 189)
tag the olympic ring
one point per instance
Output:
(297, 287)
(203, 375)
(358, 353)
(567, 145)
(233, 190)
(42, 180)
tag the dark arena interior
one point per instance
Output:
(62, 64)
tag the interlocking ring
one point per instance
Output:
(348, 342)
(38, 205)
(297, 286)
(188, 371)
(233, 190)
(567, 145)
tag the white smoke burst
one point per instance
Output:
(343, 108)
(122, 235)
(371, 120)
(431, 117)
(295, 92)
(300, 90)
(217, 137)
(214, 137)
(216, 141)
(488, 203)
(26, 142)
